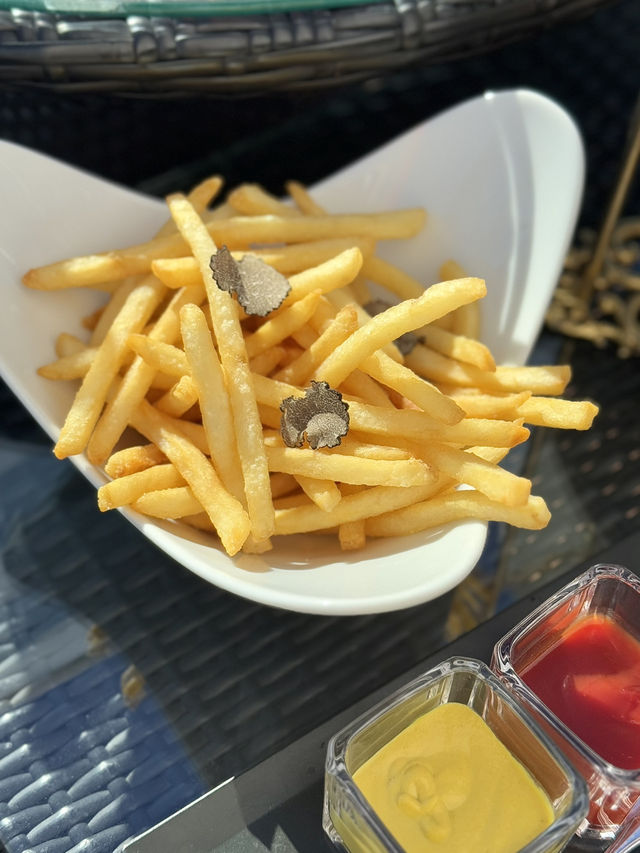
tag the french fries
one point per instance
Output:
(227, 514)
(312, 415)
(92, 394)
(235, 362)
(437, 300)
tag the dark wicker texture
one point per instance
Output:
(251, 54)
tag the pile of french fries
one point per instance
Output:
(174, 361)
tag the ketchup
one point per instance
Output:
(591, 680)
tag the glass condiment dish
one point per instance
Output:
(611, 591)
(352, 824)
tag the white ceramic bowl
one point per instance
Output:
(501, 178)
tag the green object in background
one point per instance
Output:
(181, 8)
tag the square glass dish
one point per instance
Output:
(353, 824)
(574, 662)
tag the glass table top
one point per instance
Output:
(129, 687)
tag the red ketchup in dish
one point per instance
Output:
(590, 679)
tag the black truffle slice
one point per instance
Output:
(406, 342)
(259, 288)
(321, 416)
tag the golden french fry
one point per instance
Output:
(350, 446)
(465, 467)
(282, 484)
(160, 355)
(501, 406)
(205, 192)
(112, 309)
(458, 347)
(465, 320)
(345, 296)
(252, 546)
(159, 382)
(544, 380)
(90, 321)
(253, 200)
(347, 469)
(451, 269)
(395, 424)
(194, 432)
(338, 329)
(326, 312)
(291, 352)
(457, 506)
(170, 503)
(67, 344)
(268, 360)
(439, 299)
(352, 535)
(366, 504)
(361, 387)
(324, 493)
(177, 272)
(90, 397)
(127, 489)
(274, 330)
(294, 258)
(179, 398)
(294, 500)
(73, 366)
(138, 379)
(200, 197)
(403, 380)
(109, 267)
(96, 270)
(92, 270)
(226, 513)
(394, 279)
(302, 199)
(270, 417)
(199, 520)
(489, 454)
(237, 231)
(561, 414)
(235, 363)
(224, 210)
(327, 276)
(354, 447)
(215, 406)
(129, 460)
(242, 230)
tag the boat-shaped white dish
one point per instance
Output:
(501, 178)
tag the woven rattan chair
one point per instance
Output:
(245, 54)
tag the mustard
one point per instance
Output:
(447, 784)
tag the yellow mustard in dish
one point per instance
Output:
(447, 784)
